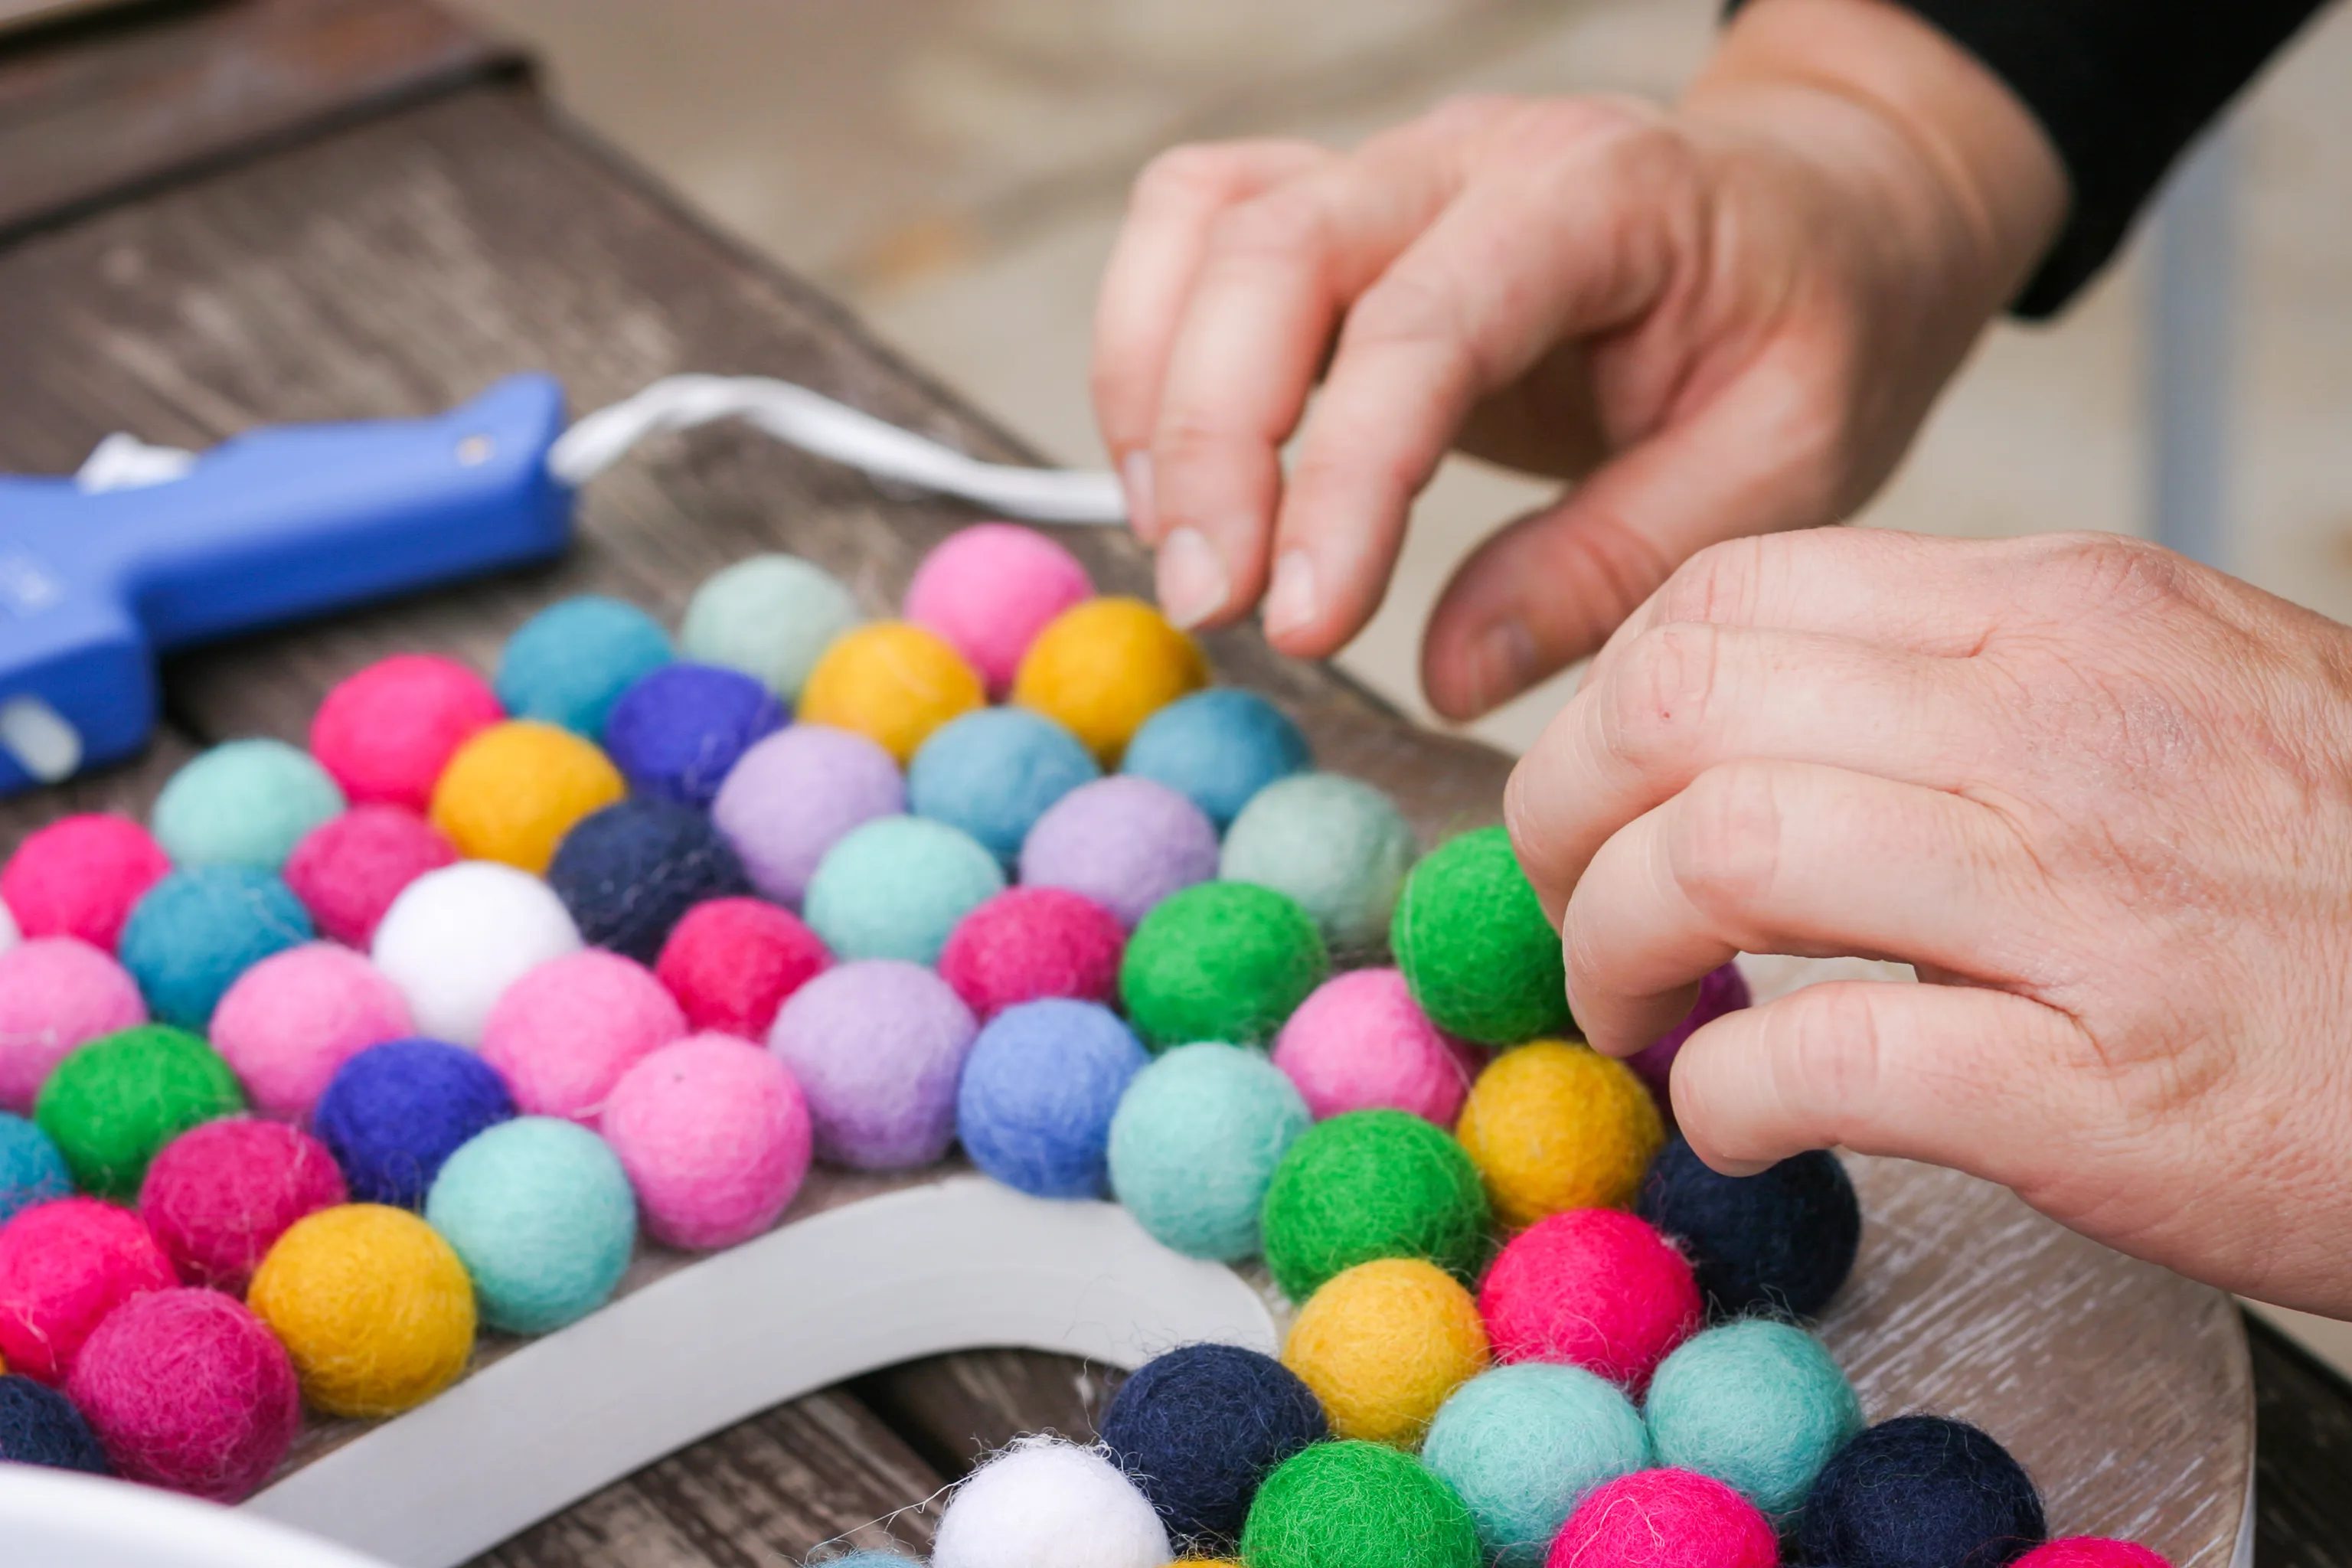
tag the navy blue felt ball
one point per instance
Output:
(630, 872)
(678, 731)
(38, 1426)
(1197, 1429)
(393, 1113)
(1921, 1492)
(1781, 1241)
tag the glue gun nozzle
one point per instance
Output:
(39, 740)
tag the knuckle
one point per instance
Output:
(1827, 1051)
(1719, 582)
(1280, 225)
(1187, 172)
(1662, 692)
(1724, 836)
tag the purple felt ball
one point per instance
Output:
(679, 731)
(795, 794)
(1724, 990)
(877, 1047)
(1126, 842)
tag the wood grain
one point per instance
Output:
(2303, 1478)
(955, 1410)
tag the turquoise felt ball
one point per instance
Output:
(32, 1170)
(993, 771)
(192, 935)
(1523, 1444)
(895, 887)
(1757, 1404)
(771, 616)
(247, 802)
(1218, 748)
(1194, 1144)
(541, 1213)
(570, 662)
(1337, 846)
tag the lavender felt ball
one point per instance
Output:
(797, 793)
(1127, 842)
(877, 1048)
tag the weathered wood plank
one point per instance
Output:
(2302, 1485)
(956, 1410)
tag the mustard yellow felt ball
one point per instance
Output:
(1384, 1343)
(893, 682)
(514, 790)
(1555, 1126)
(373, 1305)
(1103, 666)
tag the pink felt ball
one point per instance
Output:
(2091, 1551)
(188, 1390)
(63, 1266)
(79, 877)
(296, 1017)
(218, 1195)
(1595, 1288)
(563, 1034)
(349, 868)
(386, 732)
(1361, 1043)
(1724, 990)
(731, 962)
(1029, 944)
(714, 1134)
(1664, 1519)
(990, 589)
(56, 992)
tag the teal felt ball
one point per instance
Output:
(193, 933)
(771, 616)
(247, 802)
(1218, 748)
(540, 1211)
(1194, 1144)
(994, 772)
(895, 887)
(32, 1170)
(1336, 845)
(1759, 1405)
(1523, 1445)
(569, 663)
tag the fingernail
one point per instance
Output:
(1503, 665)
(1290, 602)
(1135, 474)
(1192, 583)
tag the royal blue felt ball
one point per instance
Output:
(992, 772)
(630, 872)
(1035, 1103)
(1199, 1427)
(395, 1112)
(38, 1426)
(32, 1170)
(1781, 1241)
(193, 933)
(678, 731)
(1219, 747)
(1922, 1492)
(569, 663)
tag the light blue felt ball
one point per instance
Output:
(193, 933)
(570, 662)
(1195, 1142)
(866, 1560)
(31, 1169)
(1334, 844)
(541, 1213)
(1523, 1444)
(1758, 1404)
(895, 888)
(1218, 748)
(992, 772)
(247, 802)
(771, 616)
(1035, 1104)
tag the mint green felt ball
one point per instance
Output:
(541, 1212)
(1336, 845)
(1220, 960)
(895, 887)
(1477, 950)
(1194, 1144)
(771, 616)
(247, 802)
(1759, 1405)
(1523, 1444)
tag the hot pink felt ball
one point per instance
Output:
(1664, 1519)
(1029, 944)
(220, 1194)
(349, 868)
(2091, 1551)
(296, 1017)
(64, 1265)
(714, 1134)
(990, 589)
(188, 1390)
(386, 732)
(55, 992)
(1724, 990)
(1594, 1288)
(1361, 1043)
(79, 877)
(731, 963)
(563, 1034)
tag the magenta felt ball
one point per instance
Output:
(1594, 1288)
(296, 1017)
(349, 868)
(714, 1134)
(1361, 1043)
(386, 732)
(562, 1034)
(63, 1266)
(1724, 990)
(220, 1194)
(80, 876)
(2091, 1551)
(1027, 944)
(56, 993)
(1126, 842)
(188, 1390)
(877, 1047)
(732, 962)
(990, 589)
(798, 792)
(1664, 1519)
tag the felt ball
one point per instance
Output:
(1359, 1041)
(1218, 748)
(386, 732)
(1127, 843)
(1221, 960)
(629, 873)
(878, 1047)
(990, 589)
(38, 1426)
(794, 794)
(731, 962)
(1664, 1519)
(1922, 1492)
(1555, 1126)
(569, 663)
(1722, 990)
(394, 1113)
(677, 732)
(372, 1304)
(1103, 666)
(1033, 1105)
(771, 616)
(219, 1195)
(1522, 1444)
(31, 1169)
(714, 1135)
(1385, 1343)
(1757, 1403)
(562, 1034)
(1358, 1505)
(348, 871)
(1337, 846)
(1481, 956)
(994, 773)
(187, 1389)
(1027, 944)
(112, 1104)
(296, 1017)
(869, 1559)
(891, 682)
(64, 1265)
(514, 790)
(896, 887)
(541, 1213)
(1594, 1288)
(1368, 1184)
(1781, 1241)
(1201, 1427)
(1194, 1144)
(79, 877)
(56, 993)
(457, 938)
(247, 802)
(1044, 1503)
(2075, 1552)
(10, 933)
(197, 930)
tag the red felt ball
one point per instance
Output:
(79, 877)
(220, 1194)
(2091, 1551)
(731, 963)
(349, 868)
(386, 732)
(1595, 1288)
(188, 1390)
(1664, 1519)
(64, 1265)
(1031, 942)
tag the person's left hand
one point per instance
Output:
(2099, 796)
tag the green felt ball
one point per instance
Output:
(1220, 960)
(1336, 845)
(1358, 1505)
(1476, 949)
(111, 1105)
(1368, 1184)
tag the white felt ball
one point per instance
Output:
(457, 938)
(1045, 1504)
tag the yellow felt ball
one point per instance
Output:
(893, 682)
(1384, 1343)
(372, 1304)
(513, 791)
(1103, 666)
(1555, 1126)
